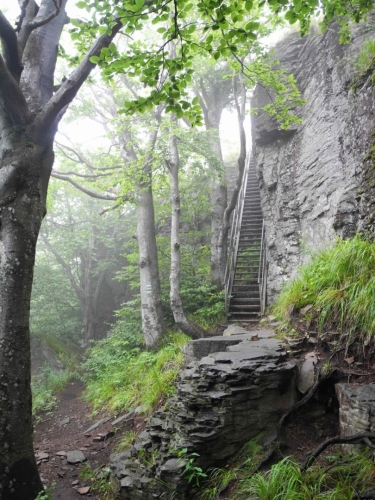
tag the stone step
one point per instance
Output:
(242, 307)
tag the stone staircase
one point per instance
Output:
(244, 293)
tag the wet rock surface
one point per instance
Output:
(224, 398)
(314, 185)
(357, 410)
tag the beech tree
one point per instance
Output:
(30, 109)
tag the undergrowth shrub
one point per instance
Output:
(121, 376)
(365, 61)
(339, 477)
(339, 283)
(46, 385)
(342, 480)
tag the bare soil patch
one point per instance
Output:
(63, 431)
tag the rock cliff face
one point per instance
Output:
(312, 178)
(234, 388)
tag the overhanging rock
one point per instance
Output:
(223, 400)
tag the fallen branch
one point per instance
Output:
(355, 439)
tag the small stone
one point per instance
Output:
(64, 422)
(42, 456)
(75, 457)
(84, 491)
(75, 482)
(61, 453)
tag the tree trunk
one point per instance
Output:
(29, 114)
(152, 314)
(192, 330)
(212, 106)
(153, 326)
(239, 91)
(21, 213)
(218, 206)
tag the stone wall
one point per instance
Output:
(312, 180)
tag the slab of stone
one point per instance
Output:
(96, 425)
(122, 419)
(75, 457)
(234, 330)
(307, 375)
(84, 490)
(197, 349)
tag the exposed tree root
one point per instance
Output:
(305, 399)
(367, 494)
(362, 438)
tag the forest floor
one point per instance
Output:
(67, 429)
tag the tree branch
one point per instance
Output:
(10, 51)
(11, 97)
(81, 158)
(41, 22)
(84, 176)
(85, 190)
(64, 96)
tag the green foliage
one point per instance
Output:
(191, 471)
(121, 376)
(339, 283)
(364, 63)
(215, 30)
(239, 469)
(344, 479)
(46, 385)
(126, 440)
(45, 494)
(54, 308)
(101, 481)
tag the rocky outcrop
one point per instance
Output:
(312, 177)
(233, 389)
(357, 409)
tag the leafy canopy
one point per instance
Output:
(175, 32)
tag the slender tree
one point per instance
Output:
(186, 326)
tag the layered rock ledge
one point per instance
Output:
(232, 389)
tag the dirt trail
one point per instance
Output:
(64, 431)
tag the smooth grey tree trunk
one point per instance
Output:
(239, 91)
(192, 330)
(29, 114)
(213, 100)
(153, 326)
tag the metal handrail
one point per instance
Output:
(235, 236)
(262, 273)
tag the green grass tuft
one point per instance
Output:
(122, 378)
(339, 283)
